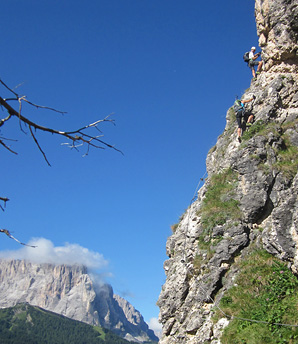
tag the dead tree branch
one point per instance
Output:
(7, 232)
(76, 138)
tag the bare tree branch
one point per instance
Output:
(18, 98)
(77, 138)
(71, 135)
(77, 135)
(7, 232)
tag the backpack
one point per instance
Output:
(237, 106)
(246, 57)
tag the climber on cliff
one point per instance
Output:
(252, 62)
(239, 109)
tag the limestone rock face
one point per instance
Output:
(277, 27)
(70, 291)
(264, 189)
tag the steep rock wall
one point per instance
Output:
(277, 28)
(249, 200)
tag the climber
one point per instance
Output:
(252, 62)
(240, 113)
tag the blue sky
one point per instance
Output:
(169, 71)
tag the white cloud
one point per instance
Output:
(46, 252)
(155, 325)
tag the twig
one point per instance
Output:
(3, 120)
(12, 91)
(4, 200)
(43, 107)
(35, 140)
(12, 237)
(4, 145)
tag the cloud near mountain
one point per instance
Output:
(156, 326)
(46, 252)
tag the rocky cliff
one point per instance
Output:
(234, 254)
(70, 291)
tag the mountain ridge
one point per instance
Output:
(31, 324)
(70, 291)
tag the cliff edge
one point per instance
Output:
(233, 257)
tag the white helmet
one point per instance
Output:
(253, 48)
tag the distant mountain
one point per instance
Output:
(25, 324)
(70, 291)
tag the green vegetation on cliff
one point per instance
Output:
(219, 205)
(266, 292)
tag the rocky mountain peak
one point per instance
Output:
(69, 290)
